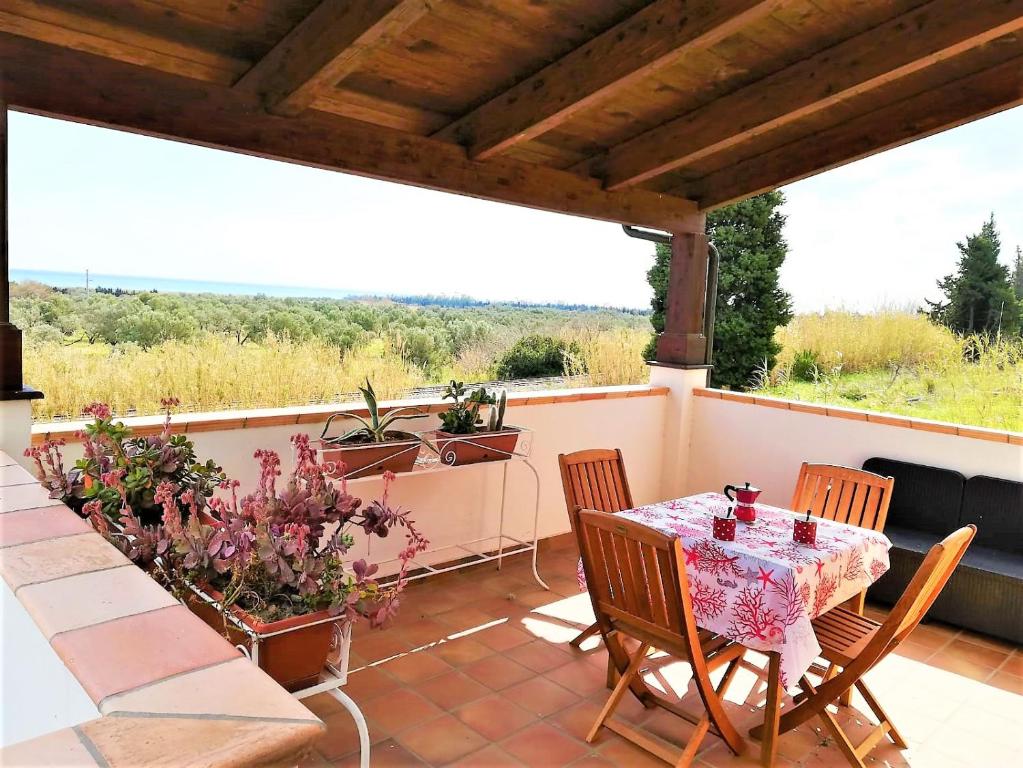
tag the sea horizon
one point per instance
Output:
(58, 279)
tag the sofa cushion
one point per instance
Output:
(995, 506)
(994, 561)
(925, 499)
(910, 540)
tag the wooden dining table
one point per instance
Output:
(763, 589)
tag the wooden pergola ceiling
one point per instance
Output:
(645, 113)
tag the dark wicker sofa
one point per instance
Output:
(986, 591)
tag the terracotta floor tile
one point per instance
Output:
(28, 496)
(488, 757)
(39, 524)
(342, 737)
(502, 637)
(1007, 682)
(374, 646)
(452, 689)
(422, 631)
(952, 662)
(987, 641)
(415, 667)
(400, 710)
(385, 754)
(369, 683)
(580, 677)
(90, 598)
(497, 672)
(977, 654)
(442, 741)
(47, 560)
(539, 656)
(577, 720)
(1013, 665)
(461, 651)
(544, 745)
(540, 696)
(494, 717)
(122, 654)
(464, 619)
(322, 705)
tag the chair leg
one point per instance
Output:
(841, 740)
(623, 685)
(856, 605)
(881, 715)
(587, 633)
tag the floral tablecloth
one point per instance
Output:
(763, 589)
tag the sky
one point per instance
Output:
(877, 232)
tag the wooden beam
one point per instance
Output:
(60, 82)
(654, 38)
(906, 44)
(49, 24)
(323, 48)
(934, 110)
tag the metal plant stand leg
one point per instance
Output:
(536, 524)
(360, 724)
(500, 521)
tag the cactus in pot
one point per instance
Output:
(496, 423)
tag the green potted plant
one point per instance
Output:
(464, 438)
(372, 447)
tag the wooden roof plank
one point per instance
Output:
(655, 37)
(328, 44)
(60, 82)
(59, 26)
(906, 44)
(931, 111)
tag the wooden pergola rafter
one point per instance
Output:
(642, 112)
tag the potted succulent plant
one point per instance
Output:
(464, 438)
(372, 448)
(273, 561)
(120, 469)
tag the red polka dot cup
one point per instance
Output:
(804, 531)
(724, 528)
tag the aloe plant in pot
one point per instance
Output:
(464, 438)
(373, 447)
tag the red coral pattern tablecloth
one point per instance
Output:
(763, 589)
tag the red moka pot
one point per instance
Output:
(745, 497)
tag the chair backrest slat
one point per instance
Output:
(857, 497)
(595, 479)
(635, 578)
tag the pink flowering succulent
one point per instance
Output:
(122, 472)
(279, 551)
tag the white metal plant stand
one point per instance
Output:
(430, 458)
(333, 677)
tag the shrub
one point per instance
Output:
(805, 365)
(536, 356)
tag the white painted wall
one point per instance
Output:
(463, 503)
(39, 694)
(734, 442)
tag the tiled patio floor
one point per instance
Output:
(478, 671)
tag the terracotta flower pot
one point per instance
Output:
(294, 659)
(456, 450)
(365, 459)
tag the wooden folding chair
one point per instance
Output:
(856, 497)
(594, 479)
(856, 644)
(639, 589)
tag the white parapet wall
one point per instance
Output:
(737, 438)
(459, 504)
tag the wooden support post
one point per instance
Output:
(683, 341)
(12, 387)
